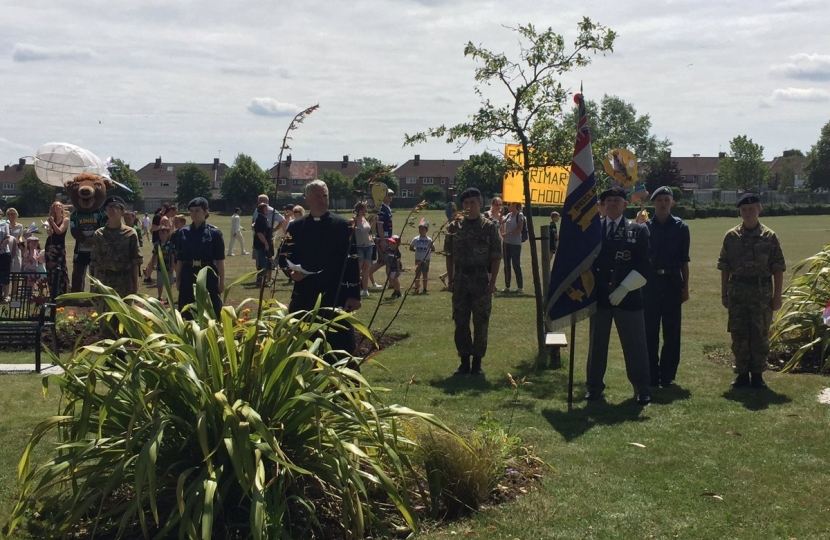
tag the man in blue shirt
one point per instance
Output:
(198, 245)
(667, 287)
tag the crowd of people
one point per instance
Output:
(641, 275)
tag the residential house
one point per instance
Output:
(158, 180)
(10, 176)
(416, 174)
(788, 164)
(698, 172)
(293, 175)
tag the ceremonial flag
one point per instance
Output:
(571, 294)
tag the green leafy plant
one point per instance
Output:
(217, 429)
(800, 324)
(76, 327)
(463, 474)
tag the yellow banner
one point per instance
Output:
(548, 185)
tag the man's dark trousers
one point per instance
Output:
(663, 298)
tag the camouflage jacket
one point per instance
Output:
(751, 252)
(115, 249)
(473, 242)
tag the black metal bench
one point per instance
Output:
(30, 311)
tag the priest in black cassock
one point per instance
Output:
(321, 243)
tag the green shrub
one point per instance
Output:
(217, 429)
(460, 476)
(800, 323)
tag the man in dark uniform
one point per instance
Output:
(473, 248)
(320, 251)
(667, 287)
(619, 273)
(752, 275)
(199, 245)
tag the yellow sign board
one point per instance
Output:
(548, 185)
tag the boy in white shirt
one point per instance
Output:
(423, 248)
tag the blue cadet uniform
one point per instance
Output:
(196, 248)
(668, 253)
(624, 254)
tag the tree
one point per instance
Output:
(484, 171)
(243, 182)
(340, 187)
(433, 194)
(663, 172)
(533, 114)
(743, 168)
(374, 171)
(192, 182)
(817, 166)
(123, 174)
(35, 196)
(615, 124)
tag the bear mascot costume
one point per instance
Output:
(87, 192)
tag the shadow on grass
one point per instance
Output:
(464, 384)
(665, 396)
(756, 399)
(576, 423)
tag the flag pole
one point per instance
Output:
(571, 368)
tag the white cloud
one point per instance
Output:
(800, 94)
(23, 52)
(803, 66)
(271, 107)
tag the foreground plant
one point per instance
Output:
(216, 429)
(800, 324)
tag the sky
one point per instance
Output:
(193, 80)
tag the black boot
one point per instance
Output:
(758, 381)
(741, 381)
(464, 367)
(476, 370)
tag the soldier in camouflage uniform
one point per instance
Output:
(752, 272)
(115, 257)
(473, 249)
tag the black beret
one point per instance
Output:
(288, 207)
(613, 191)
(114, 199)
(469, 192)
(748, 198)
(663, 190)
(198, 201)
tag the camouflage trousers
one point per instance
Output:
(470, 300)
(123, 285)
(750, 317)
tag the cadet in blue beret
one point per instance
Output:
(667, 287)
(752, 275)
(197, 246)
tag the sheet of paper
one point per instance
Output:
(299, 268)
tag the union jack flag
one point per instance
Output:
(571, 292)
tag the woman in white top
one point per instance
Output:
(15, 232)
(512, 238)
(364, 242)
(496, 211)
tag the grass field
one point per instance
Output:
(764, 454)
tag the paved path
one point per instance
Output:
(45, 369)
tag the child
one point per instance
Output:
(168, 249)
(423, 248)
(129, 221)
(393, 266)
(554, 233)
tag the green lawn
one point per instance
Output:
(764, 454)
